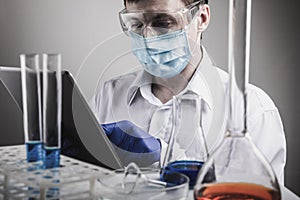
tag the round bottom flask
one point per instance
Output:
(237, 170)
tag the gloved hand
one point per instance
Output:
(135, 145)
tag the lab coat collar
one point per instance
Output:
(142, 78)
(197, 84)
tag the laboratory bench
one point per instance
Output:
(75, 179)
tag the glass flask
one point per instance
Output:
(187, 150)
(237, 169)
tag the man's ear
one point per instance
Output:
(203, 18)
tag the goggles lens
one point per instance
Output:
(157, 22)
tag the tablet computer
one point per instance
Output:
(82, 136)
(11, 115)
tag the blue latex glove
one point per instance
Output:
(135, 145)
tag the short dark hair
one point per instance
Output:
(186, 2)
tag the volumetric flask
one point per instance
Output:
(31, 97)
(187, 149)
(237, 169)
(52, 101)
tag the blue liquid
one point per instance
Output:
(172, 178)
(188, 167)
(34, 151)
(51, 157)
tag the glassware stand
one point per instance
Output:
(22, 180)
(75, 179)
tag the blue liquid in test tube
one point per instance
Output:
(52, 101)
(34, 151)
(51, 157)
(31, 98)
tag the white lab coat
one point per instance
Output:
(129, 97)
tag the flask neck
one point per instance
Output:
(238, 63)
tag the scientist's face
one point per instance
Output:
(196, 27)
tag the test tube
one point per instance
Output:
(31, 97)
(52, 101)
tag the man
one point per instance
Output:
(135, 109)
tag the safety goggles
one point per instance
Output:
(158, 22)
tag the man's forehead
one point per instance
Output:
(152, 5)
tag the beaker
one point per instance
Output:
(237, 169)
(52, 102)
(187, 150)
(31, 98)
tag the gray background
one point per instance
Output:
(88, 35)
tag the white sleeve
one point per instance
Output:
(268, 135)
(267, 132)
(100, 102)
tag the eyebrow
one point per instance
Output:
(162, 16)
(136, 18)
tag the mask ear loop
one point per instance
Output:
(196, 42)
(196, 10)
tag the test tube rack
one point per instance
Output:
(22, 180)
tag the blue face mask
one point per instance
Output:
(163, 56)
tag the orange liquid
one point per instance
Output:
(236, 191)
